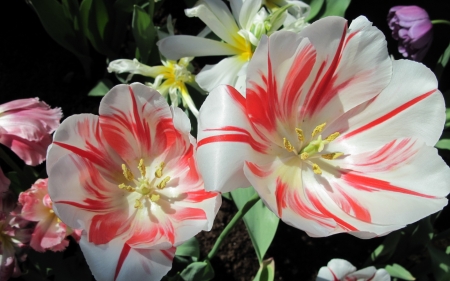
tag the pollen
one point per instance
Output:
(316, 169)
(332, 137)
(159, 171)
(138, 204)
(318, 129)
(141, 167)
(155, 197)
(127, 173)
(304, 155)
(288, 145)
(332, 156)
(163, 183)
(299, 134)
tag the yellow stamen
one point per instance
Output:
(127, 173)
(316, 169)
(122, 186)
(155, 197)
(318, 129)
(304, 155)
(141, 167)
(126, 187)
(159, 171)
(332, 137)
(137, 204)
(299, 134)
(163, 183)
(332, 156)
(288, 145)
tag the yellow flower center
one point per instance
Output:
(314, 148)
(145, 185)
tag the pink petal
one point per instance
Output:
(4, 182)
(31, 152)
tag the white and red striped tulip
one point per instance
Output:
(129, 179)
(333, 135)
(342, 270)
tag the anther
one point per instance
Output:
(318, 129)
(316, 169)
(288, 145)
(299, 134)
(159, 171)
(155, 197)
(332, 156)
(137, 204)
(141, 168)
(332, 137)
(304, 155)
(163, 183)
(127, 173)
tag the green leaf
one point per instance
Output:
(399, 271)
(198, 271)
(315, 6)
(386, 249)
(266, 271)
(227, 195)
(144, 33)
(447, 118)
(422, 234)
(440, 263)
(444, 142)
(442, 62)
(97, 26)
(128, 5)
(190, 248)
(261, 222)
(336, 8)
(101, 88)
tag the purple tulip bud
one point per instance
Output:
(412, 27)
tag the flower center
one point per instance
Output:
(181, 73)
(314, 148)
(145, 185)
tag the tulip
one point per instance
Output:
(342, 270)
(413, 29)
(332, 134)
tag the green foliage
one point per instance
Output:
(261, 222)
(101, 88)
(266, 271)
(190, 248)
(442, 62)
(441, 263)
(198, 271)
(399, 271)
(144, 33)
(321, 8)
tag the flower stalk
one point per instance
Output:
(237, 217)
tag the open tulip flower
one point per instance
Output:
(129, 179)
(339, 269)
(332, 134)
(25, 127)
(50, 233)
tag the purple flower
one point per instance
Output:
(412, 27)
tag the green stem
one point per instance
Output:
(440, 22)
(237, 217)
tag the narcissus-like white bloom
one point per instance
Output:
(240, 29)
(128, 179)
(170, 78)
(333, 135)
(342, 270)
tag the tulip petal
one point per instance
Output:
(118, 261)
(227, 138)
(180, 46)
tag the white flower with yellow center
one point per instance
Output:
(170, 78)
(240, 30)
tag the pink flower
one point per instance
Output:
(50, 233)
(129, 179)
(333, 135)
(342, 270)
(14, 234)
(25, 127)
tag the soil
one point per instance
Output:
(33, 65)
